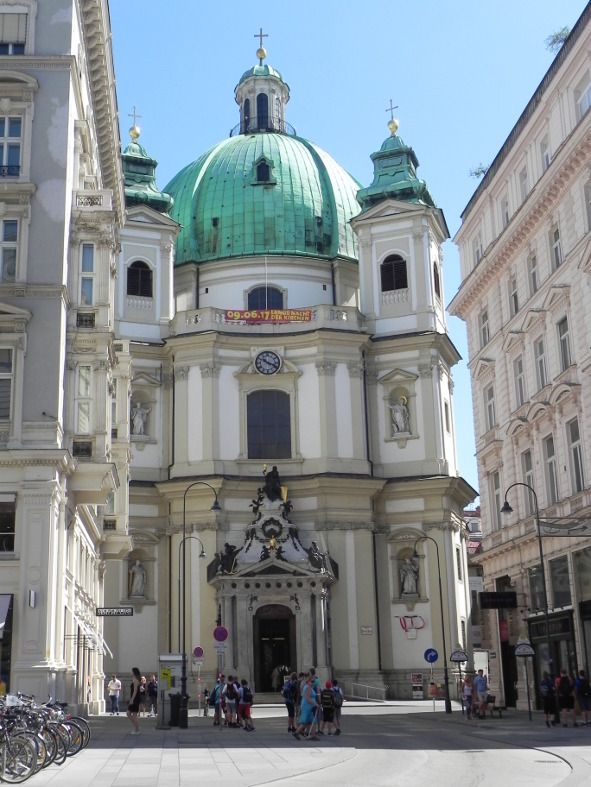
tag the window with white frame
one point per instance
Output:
(11, 129)
(494, 481)
(519, 375)
(540, 361)
(532, 274)
(436, 280)
(583, 96)
(489, 406)
(87, 274)
(527, 471)
(504, 206)
(477, 250)
(84, 399)
(555, 248)
(575, 448)
(484, 327)
(13, 33)
(6, 378)
(8, 249)
(513, 296)
(551, 469)
(545, 153)
(564, 344)
(459, 564)
(7, 525)
(523, 183)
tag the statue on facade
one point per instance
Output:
(273, 484)
(139, 419)
(137, 579)
(228, 558)
(399, 416)
(409, 577)
(316, 557)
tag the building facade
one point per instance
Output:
(525, 257)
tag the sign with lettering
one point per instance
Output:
(268, 315)
(505, 599)
(111, 612)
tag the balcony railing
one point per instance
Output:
(10, 171)
(253, 125)
(88, 199)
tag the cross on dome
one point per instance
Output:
(393, 123)
(134, 131)
(261, 51)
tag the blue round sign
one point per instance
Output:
(431, 655)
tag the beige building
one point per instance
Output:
(525, 262)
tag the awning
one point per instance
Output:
(96, 639)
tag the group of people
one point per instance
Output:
(143, 697)
(475, 695)
(312, 709)
(563, 696)
(231, 700)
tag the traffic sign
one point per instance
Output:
(198, 652)
(220, 647)
(220, 633)
(431, 655)
(458, 656)
(524, 649)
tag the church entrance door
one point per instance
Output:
(274, 646)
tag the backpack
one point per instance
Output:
(231, 693)
(585, 688)
(338, 697)
(327, 698)
(289, 691)
(564, 687)
(214, 697)
(246, 696)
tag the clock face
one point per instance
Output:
(267, 362)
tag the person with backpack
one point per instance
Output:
(548, 698)
(308, 711)
(327, 705)
(338, 705)
(289, 692)
(245, 700)
(583, 695)
(230, 698)
(565, 696)
(215, 701)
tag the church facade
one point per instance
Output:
(257, 425)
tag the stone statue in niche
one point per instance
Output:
(399, 417)
(139, 418)
(409, 577)
(137, 579)
(273, 484)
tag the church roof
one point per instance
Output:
(139, 172)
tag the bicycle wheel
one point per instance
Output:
(51, 744)
(18, 760)
(37, 741)
(76, 737)
(63, 741)
(85, 727)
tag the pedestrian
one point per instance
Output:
(152, 690)
(308, 711)
(245, 700)
(290, 693)
(583, 695)
(327, 705)
(467, 694)
(143, 695)
(338, 705)
(230, 699)
(317, 687)
(114, 689)
(133, 709)
(480, 692)
(565, 695)
(548, 698)
(215, 701)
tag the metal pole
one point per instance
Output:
(527, 690)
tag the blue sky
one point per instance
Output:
(460, 72)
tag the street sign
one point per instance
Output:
(108, 612)
(220, 647)
(198, 652)
(458, 656)
(431, 655)
(220, 633)
(524, 649)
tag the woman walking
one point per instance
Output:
(133, 709)
(309, 710)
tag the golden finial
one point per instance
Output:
(392, 123)
(135, 130)
(261, 51)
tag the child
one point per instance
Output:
(245, 705)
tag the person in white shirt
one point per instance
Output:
(114, 689)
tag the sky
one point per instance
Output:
(460, 72)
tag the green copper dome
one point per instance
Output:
(263, 193)
(263, 70)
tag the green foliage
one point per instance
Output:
(479, 171)
(556, 40)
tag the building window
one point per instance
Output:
(7, 522)
(527, 470)
(447, 418)
(545, 153)
(551, 470)
(393, 273)
(263, 172)
(495, 499)
(575, 448)
(477, 250)
(504, 212)
(559, 579)
(532, 272)
(583, 97)
(436, 280)
(489, 406)
(540, 359)
(84, 400)
(536, 588)
(459, 564)
(87, 275)
(139, 279)
(262, 111)
(484, 328)
(555, 248)
(265, 298)
(13, 33)
(523, 184)
(268, 425)
(519, 375)
(6, 377)
(8, 248)
(564, 343)
(10, 145)
(513, 296)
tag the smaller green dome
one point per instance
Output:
(139, 173)
(260, 71)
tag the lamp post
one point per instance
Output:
(506, 509)
(445, 670)
(184, 708)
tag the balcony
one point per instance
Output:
(89, 200)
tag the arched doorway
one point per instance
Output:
(274, 644)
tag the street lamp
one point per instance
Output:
(506, 509)
(184, 708)
(445, 671)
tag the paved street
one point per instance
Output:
(392, 744)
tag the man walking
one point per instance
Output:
(114, 689)
(480, 689)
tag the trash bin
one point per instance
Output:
(175, 709)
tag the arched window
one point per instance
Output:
(139, 279)
(263, 172)
(268, 425)
(246, 115)
(262, 111)
(265, 298)
(393, 273)
(436, 280)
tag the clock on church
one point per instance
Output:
(267, 362)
